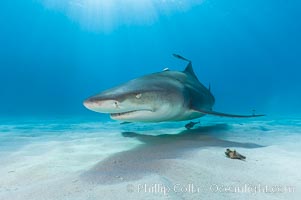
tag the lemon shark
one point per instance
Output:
(158, 97)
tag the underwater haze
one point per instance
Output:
(54, 54)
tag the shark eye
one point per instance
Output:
(138, 96)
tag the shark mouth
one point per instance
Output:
(128, 112)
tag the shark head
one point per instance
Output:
(144, 99)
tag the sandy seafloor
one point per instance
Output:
(81, 159)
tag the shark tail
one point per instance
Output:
(227, 115)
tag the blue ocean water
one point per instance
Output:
(54, 54)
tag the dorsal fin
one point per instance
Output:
(188, 69)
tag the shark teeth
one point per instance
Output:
(125, 113)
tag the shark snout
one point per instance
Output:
(100, 105)
(90, 104)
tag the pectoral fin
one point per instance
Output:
(123, 123)
(208, 112)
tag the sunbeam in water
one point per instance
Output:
(107, 15)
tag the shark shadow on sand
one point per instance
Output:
(151, 156)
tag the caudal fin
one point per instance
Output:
(227, 115)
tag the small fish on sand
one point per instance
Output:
(234, 155)
(190, 125)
